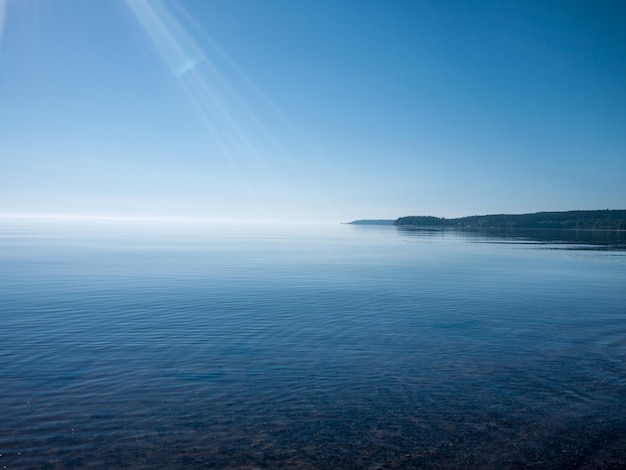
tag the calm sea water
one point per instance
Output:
(142, 345)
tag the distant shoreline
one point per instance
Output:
(565, 220)
(596, 220)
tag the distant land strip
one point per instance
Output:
(373, 222)
(599, 219)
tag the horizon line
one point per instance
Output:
(170, 219)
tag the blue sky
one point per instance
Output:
(311, 110)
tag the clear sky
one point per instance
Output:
(323, 110)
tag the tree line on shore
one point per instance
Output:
(598, 219)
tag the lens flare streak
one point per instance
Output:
(226, 100)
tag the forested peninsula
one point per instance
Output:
(600, 219)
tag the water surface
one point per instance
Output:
(230, 346)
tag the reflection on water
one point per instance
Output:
(564, 239)
(309, 347)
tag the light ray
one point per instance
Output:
(226, 100)
(209, 92)
(3, 12)
(174, 45)
(245, 78)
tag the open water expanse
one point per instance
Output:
(140, 345)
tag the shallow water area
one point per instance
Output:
(309, 346)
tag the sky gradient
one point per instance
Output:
(311, 110)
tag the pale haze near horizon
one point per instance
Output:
(310, 110)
